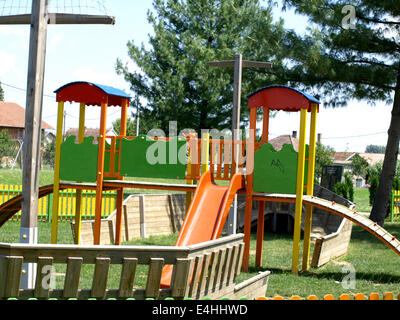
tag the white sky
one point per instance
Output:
(89, 53)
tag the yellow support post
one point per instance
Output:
(78, 200)
(56, 186)
(299, 191)
(310, 187)
(205, 152)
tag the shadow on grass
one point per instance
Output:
(383, 278)
(360, 234)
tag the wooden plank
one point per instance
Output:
(204, 274)
(34, 96)
(99, 285)
(10, 276)
(220, 267)
(198, 263)
(238, 266)
(60, 18)
(180, 277)
(126, 223)
(172, 213)
(127, 277)
(227, 264)
(232, 264)
(44, 277)
(72, 277)
(211, 276)
(154, 277)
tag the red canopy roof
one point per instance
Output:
(91, 94)
(281, 98)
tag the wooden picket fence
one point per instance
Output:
(67, 206)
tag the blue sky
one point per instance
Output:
(89, 53)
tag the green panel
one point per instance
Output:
(78, 161)
(276, 171)
(144, 157)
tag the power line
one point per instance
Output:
(24, 90)
(357, 136)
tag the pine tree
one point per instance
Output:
(356, 56)
(174, 77)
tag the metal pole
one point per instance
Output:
(237, 92)
(32, 137)
(237, 64)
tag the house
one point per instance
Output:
(89, 132)
(12, 119)
(279, 141)
(344, 159)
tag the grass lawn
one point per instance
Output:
(14, 176)
(376, 266)
(361, 199)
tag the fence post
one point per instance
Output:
(392, 207)
(49, 207)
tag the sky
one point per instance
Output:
(89, 53)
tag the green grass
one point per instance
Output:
(361, 199)
(376, 266)
(14, 176)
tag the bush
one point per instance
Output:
(350, 187)
(346, 188)
(8, 147)
(374, 182)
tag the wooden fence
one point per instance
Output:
(208, 269)
(66, 205)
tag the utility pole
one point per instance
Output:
(238, 64)
(38, 21)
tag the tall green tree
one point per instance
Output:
(1, 93)
(323, 157)
(173, 75)
(356, 56)
(372, 148)
(359, 165)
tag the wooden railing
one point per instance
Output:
(222, 163)
(208, 269)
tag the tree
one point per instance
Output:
(1, 93)
(356, 56)
(174, 77)
(145, 125)
(346, 188)
(323, 157)
(372, 148)
(49, 152)
(7, 146)
(359, 165)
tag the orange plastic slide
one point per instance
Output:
(206, 216)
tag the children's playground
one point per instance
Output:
(205, 261)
